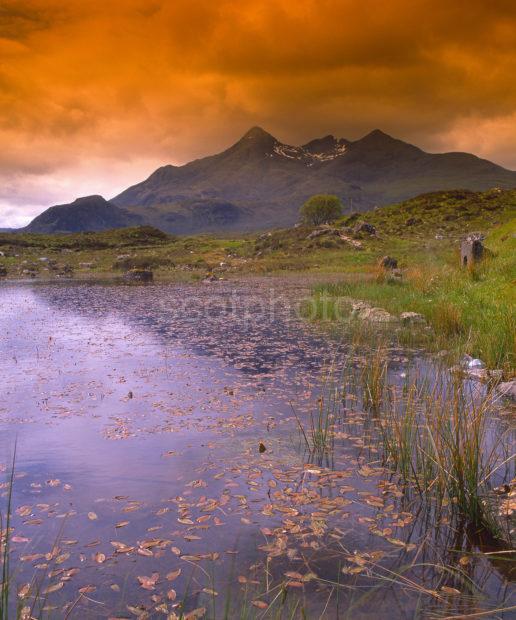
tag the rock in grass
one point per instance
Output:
(388, 262)
(139, 275)
(508, 389)
(323, 230)
(364, 312)
(357, 245)
(364, 228)
(412, 318)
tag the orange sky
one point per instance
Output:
(94, 94)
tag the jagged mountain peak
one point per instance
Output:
(260, 181)
(257, 133)
(255, 142)
(379, 138)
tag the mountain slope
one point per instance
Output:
(260, 182)
(90, 213)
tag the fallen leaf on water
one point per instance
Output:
(196, 613)
(92, 516)
(149, 583)
(24, 590)
(31, 558)
(293, 575)
(259, 604)
(449, 590)
(173, 574)
(19, 539)
(53, 588)
(122, 524)
(24, 511)
(162, 511)
(171, 595)
(100, 558)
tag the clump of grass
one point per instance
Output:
(318, 431)
(437, 438)
(5, 537)
(373, 379)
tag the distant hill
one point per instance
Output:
(90, 213)
(260, 182)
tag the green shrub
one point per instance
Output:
(321, 209)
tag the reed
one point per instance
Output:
(5, 537)
(437, 436)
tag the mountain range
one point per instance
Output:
(260, 182)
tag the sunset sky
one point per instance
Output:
(95, 94)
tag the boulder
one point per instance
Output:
(508, 389)
(319, 232)
(139, 275)
(388, 262)
(412, 318)
(364, 228)
(65, 271)
(471, 249)
(210, 277)
(364, 312)
(357, 245)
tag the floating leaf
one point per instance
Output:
(53, 588)
(196, 613)
(260, 604)
(149, 583)
(24, 590)
(449, 590)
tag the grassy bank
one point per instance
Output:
(416, 231)
(470, 311)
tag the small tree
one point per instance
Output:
(321, 209)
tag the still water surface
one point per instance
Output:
(137, 415)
